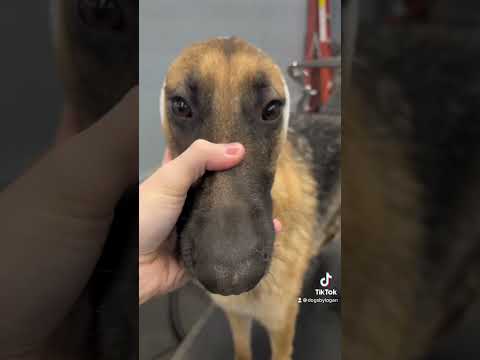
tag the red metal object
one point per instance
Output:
(318, 45)
(311, 77)
(325, 36)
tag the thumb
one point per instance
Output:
(176, 176)
(88, 173)
(163, 194)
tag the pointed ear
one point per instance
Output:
(286, 108)
(162, 102)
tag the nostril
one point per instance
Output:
(264, 254)
(232, 279)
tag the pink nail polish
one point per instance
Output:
(232, 149)
(277, 226)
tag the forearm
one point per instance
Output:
(37, 293)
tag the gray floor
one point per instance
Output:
(186, 326)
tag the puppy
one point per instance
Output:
(226, 90)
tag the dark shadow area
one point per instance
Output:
(31, 99)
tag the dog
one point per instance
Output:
(411, 169)
(296, 181)
(226, 90)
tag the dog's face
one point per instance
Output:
(96, 43)
(225, 90)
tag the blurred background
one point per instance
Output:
(430, 50)
(32, 99)
(31, 95)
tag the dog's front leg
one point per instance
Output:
(281, 337)
(241, 327)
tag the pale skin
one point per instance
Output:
(54, 220)
(162, 197)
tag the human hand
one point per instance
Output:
(54, 221)
(161, 200)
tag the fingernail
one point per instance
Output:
(233, 149)
(277, 225)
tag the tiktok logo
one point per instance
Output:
(325, 281)
(330, 296)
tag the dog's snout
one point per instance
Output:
(230, 280)
(230, 249)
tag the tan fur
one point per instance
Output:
(208, 60)
(273, 302)
(369, 224)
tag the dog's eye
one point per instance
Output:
(180, 107)
(272, 111)
(104, 15)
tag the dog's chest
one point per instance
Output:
(262, 306)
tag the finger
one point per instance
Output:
(159, 276)
(90, 170)
(277, 225)
(162, 195)
(176, 177)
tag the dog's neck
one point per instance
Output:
(294, 195)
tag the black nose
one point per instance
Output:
(230, 249)
(230, 279)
